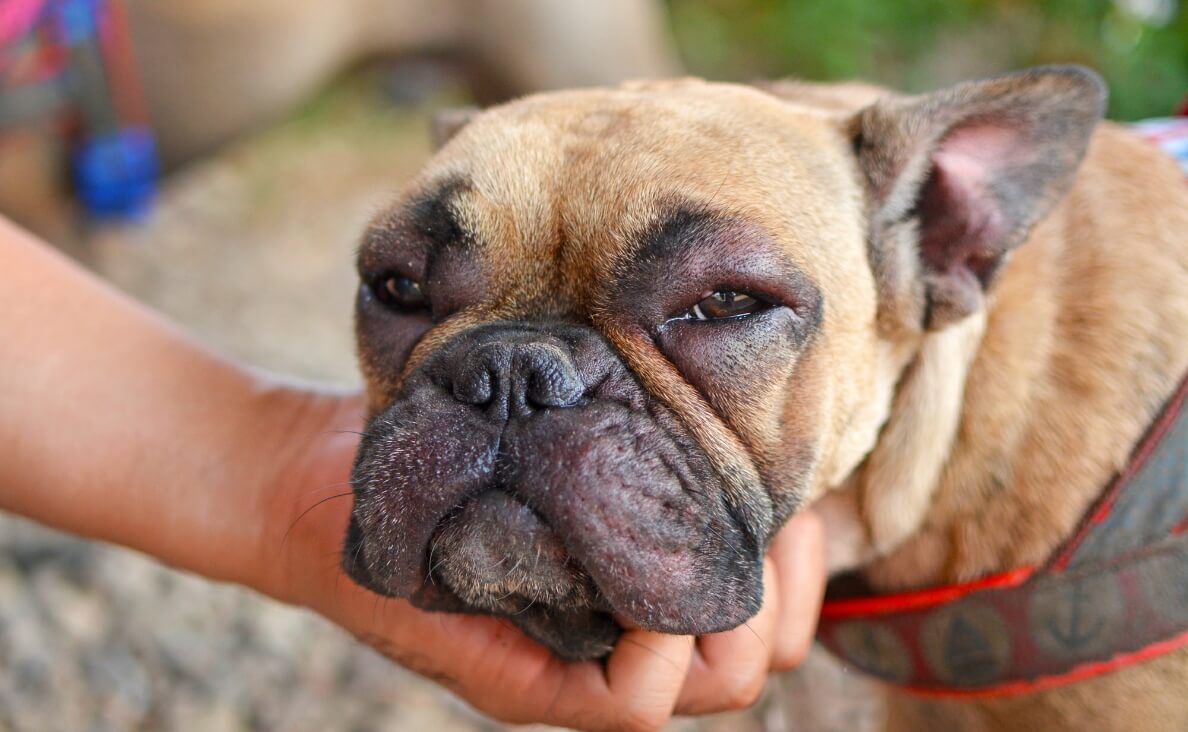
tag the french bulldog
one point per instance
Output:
(613, 338)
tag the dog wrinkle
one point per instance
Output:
(621, 548)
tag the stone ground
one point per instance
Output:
(251, 250)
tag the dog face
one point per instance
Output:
(613, 338)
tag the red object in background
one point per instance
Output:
(28, 54)
(117, 52)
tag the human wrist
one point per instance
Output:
(304, 498)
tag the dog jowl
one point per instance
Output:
(613, 338)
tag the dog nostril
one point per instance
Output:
(474, 385)
(550, 386)
(513, 378)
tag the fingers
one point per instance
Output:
(647, 678)
(729, 669)
(636, 689)
(506, 675)
(798, 554)
(644, 676)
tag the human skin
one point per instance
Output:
(116, 426)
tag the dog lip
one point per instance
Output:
(594, 540)
(353, 562)
(546, 594)
(496, 552)
(577, 634)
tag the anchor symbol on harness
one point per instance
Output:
(968, 652)
(1079, 628)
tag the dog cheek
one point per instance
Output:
(385, 341)
(652, 531)
(743, 369)
(417, 462)
(737, 356)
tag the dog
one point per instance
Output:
(613, 338)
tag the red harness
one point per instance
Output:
(1115, 594)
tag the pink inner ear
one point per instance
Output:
(987, 143)
(962, 223)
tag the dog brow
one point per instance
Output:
(691, 231)
(683, 225)
(434, 215)
(429, 217)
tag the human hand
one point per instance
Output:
(491, 664)
(728, 670)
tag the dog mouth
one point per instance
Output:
(558, 519)
(496, 555)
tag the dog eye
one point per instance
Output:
(726, 304)
(400, 292)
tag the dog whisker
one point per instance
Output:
(433, 566)
(507, 574)
(306, 511)
(364, 434)
(521, 611)
(759, 638)
(654, 652)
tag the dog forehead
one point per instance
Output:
(626, 143)
(558, 187)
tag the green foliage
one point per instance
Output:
(1139, 46)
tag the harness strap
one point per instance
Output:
(1114, 594)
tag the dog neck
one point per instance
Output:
(1005, 428)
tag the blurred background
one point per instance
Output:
(218, 158)
(1139, 46)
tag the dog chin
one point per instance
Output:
(541, 591)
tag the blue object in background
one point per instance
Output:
(1169, 133)
(114, 157)
(116, 173)
(77, 19)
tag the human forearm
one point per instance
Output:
(116, 426)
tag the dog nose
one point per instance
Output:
(516, 375)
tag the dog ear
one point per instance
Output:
(448, 122)
(957, 178)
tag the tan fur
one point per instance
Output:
(1051, 412)
(1051, 409)
(592, 165)
(942, 455)
(898, 481)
